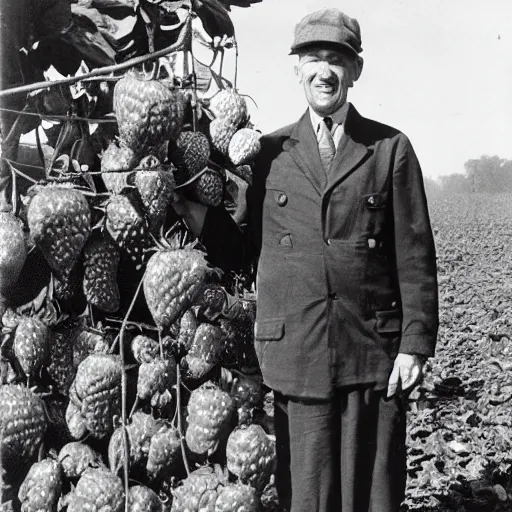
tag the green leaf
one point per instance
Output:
(90, 43)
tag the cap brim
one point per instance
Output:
(334, 44)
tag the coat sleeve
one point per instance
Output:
(236, 246)
(415, 255)
(225, 241)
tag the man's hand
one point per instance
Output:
(407, 371)
(193, 213)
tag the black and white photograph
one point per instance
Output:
(255, 256)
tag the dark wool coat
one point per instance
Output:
(347, 267)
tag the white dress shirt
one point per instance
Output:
(338, 121)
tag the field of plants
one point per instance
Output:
(460, 423)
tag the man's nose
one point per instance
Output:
(324, 69)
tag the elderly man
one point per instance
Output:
(346, 283)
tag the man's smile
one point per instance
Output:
(325, 88)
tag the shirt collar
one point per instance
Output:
(337, 117)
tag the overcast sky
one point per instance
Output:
(439, 70)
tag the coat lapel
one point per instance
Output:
(302, 146)
(350, 153)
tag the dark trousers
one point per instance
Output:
(342, 455)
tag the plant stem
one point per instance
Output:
(14, 188)
(177, 46)
(126, 462)
(194, 178)
(64, 132)
(14, 192)
(58, 118)
(134, 324)
(114, 343)
(40, 147)
(194, 92)
(180, 426)
(236, 65)
(160, 343)
(221, 62)
(135, 404)
(91, 314)
(23, 175)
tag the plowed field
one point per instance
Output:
(460, 423)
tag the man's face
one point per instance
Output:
(326, 75)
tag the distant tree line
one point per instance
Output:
(490, 174)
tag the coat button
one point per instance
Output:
(282, 199)
(333, 296)
(372, 201)
(328, 241)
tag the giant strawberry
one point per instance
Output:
(101, 258)
(68, 286)
(157, 376)
(144, 348)
(183, 334)
(76, 457)
(127, 226)
(239, 335)
(251, 455)
(59, 219)
(22, 424)
(237, 496)
(155, 185)
(97, 490)
(244, 146)
(207, 188)
(228, 104)
(172, 280)
(75, 421)
(13, 253)
(31, 344)
(149, 112)
(139, 432)
(143, 499)
(221, 132)
(248, 396)
(90, 341)
(208, 489)
(198, 491)
(96, 393)
(205, 351)
(190, 153)
(210, 411)
(116, 163)
(164, 451)
(60, 366)
(41, 488)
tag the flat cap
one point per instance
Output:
(328, 26)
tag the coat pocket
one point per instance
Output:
(374, 201)
(272, 284)
(389, 326)
(271, 329)
(388, 322)
(374, 213)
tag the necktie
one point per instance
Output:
(326, 145)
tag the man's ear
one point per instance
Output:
(298, 72)
(358, 67)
